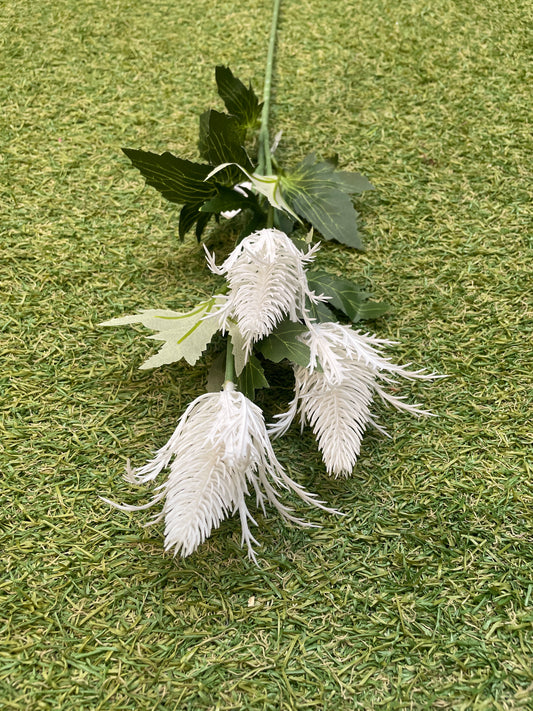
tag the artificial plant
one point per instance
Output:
(275, 305)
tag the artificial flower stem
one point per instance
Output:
(265, 159)
(229, 375)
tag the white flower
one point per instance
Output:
(334, 393)
(267, 282)
(219, 450)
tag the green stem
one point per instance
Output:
(229, 375)
(265, 159)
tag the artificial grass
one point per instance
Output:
(422, 595)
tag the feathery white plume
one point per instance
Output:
(219, 450)
(267, 282)
(336, 400)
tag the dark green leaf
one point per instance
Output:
(304, 241)
(188, 217)
(320, 194)
(252, 378)
(284, 222)
(253, 221)
(345, 296)
(221, 141)
(352, 182)
(240, 100)
(229, 199)
(333, 160)
(202, 224)
(283, 342)
(191, 215)
(177, 180)
(203, 146)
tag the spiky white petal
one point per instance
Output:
(335, 399)
(219, 450)
(267, 282)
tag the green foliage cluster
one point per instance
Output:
(313, 190)
(222, 140)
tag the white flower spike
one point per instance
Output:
(336, 400)
(219, 450)
(267, 282)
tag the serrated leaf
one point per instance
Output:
(252, 222)
(320, 194)
(202, 134)
(240, 100)
(284, 342)
(352, 183)
(221, 141)
(369, 310)
(178, 180)
(191, 215)
(186, 335)
(333, 160)
(345, 296)
(252, 378)
(283, 222)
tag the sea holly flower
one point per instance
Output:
(267, 283)
(336, 398)
(219, 451)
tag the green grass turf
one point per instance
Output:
(421, 597)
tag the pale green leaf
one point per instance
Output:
(185, 335)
